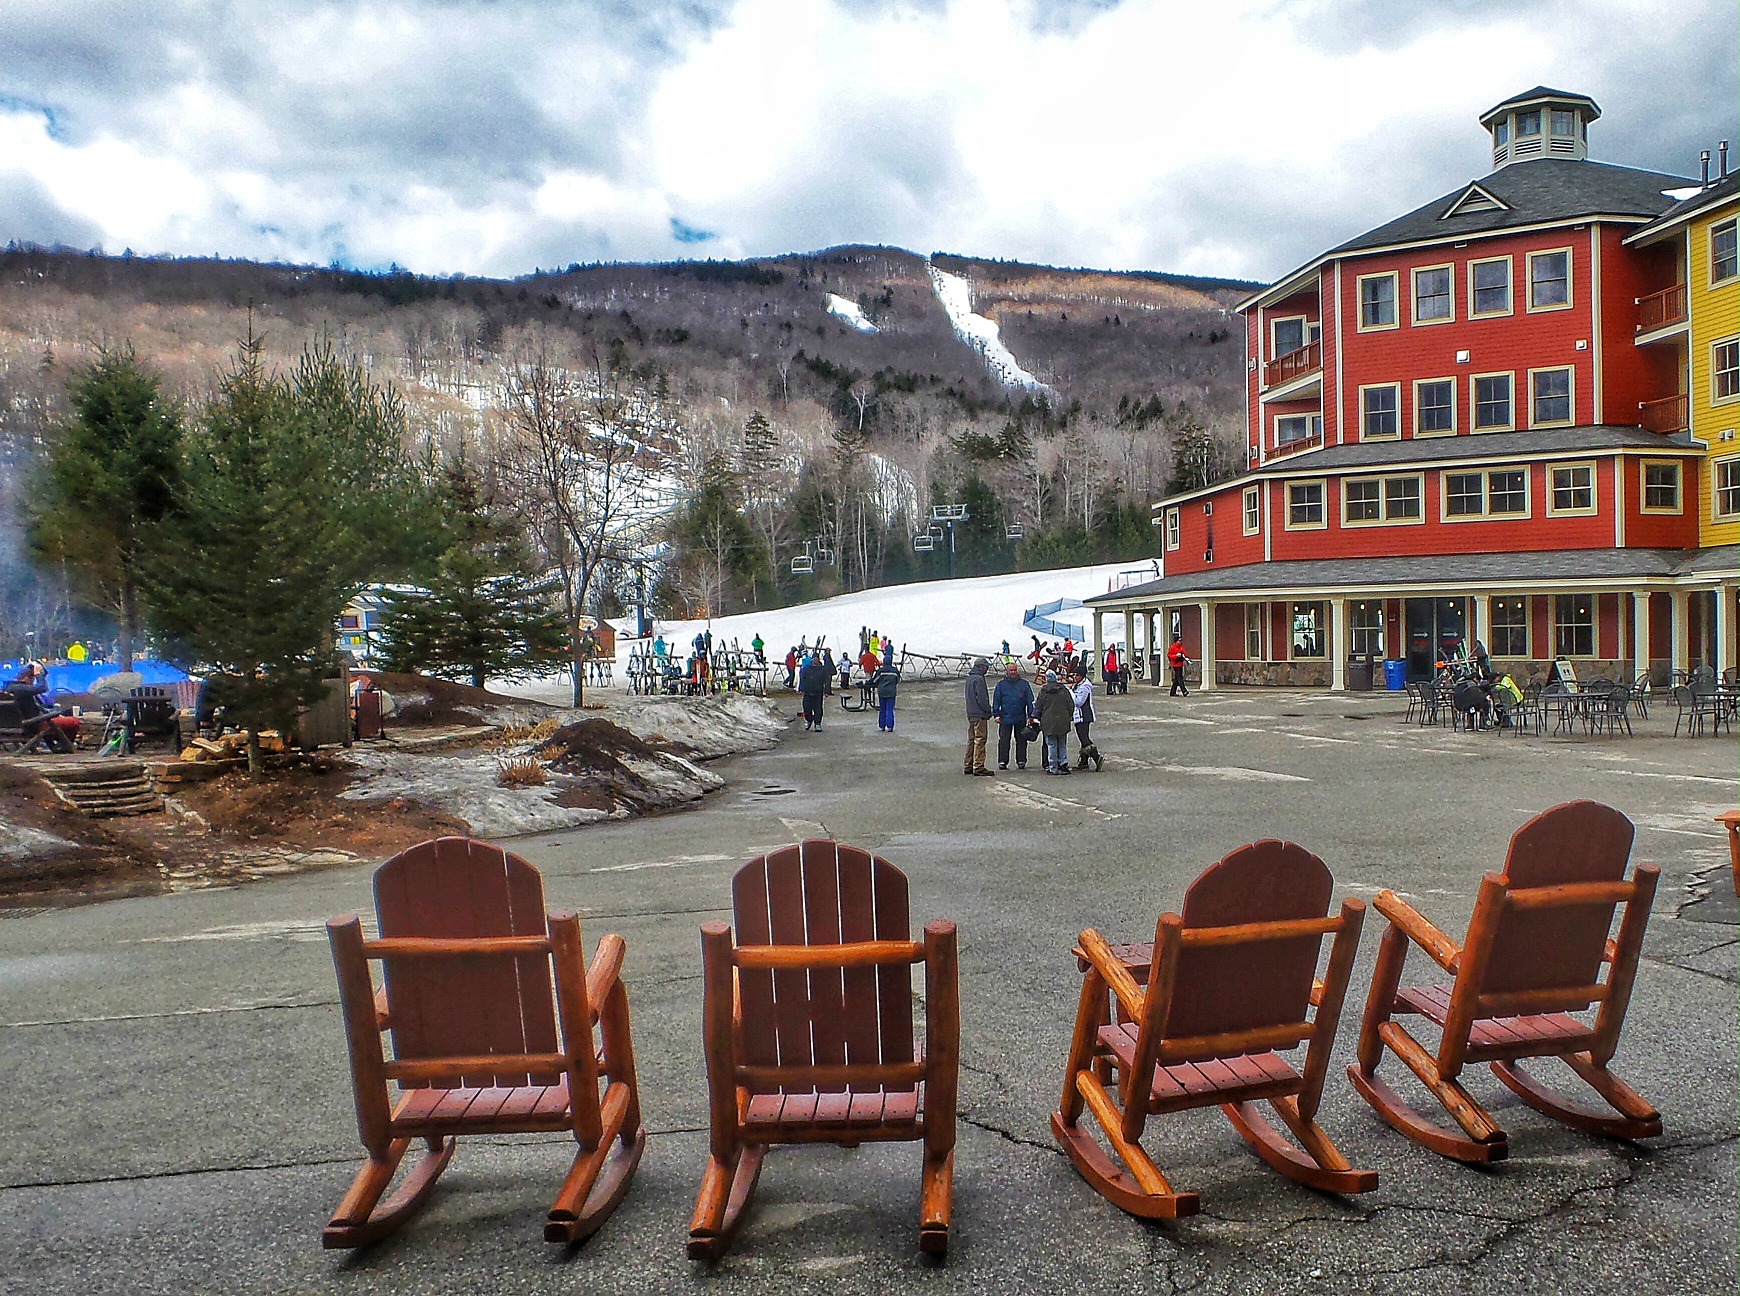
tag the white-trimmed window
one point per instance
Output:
(1290, 429)
(1550, 397)
(1725, 369)
(1367, 501)
(1308, 623)
(1253, 502)
(1550, 280)
(1305, 506)
(1661, 486)
(1725, 484)
(1366, 619)
(1494, 402)
(1724, 253)
(1564, 123)
(1489, 287)
(1172, 530)
(1254, 631)
(1510, 627)
(1528, 123)
(1377, 301)
(1507, 492)
(1286, 335)
(1434, 407)
(1572, 489)
(1574, 625)
(1464, 495)
(1380, 412)
(1434, 295)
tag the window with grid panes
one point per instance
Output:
(1724, 252)
(1573, 488)
(1401, 499)
(1574, 625)
(1492, 395)
(1464, 494)
(1552, 396)
(1661, 486)
(1435, 406)
(1254, 631)
(1364, 499)
(1377, 301)
(1510, 627)
(1381, 411)
(1727, 479)
(1725, 369)
(1507, 491)
(1491, 287)
(1549, 279)
(1432, 294)
(1366, 619)
(1305, 504)
(1253, 510)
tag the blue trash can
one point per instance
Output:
(1395, 674)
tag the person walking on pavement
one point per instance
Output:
(1082, 694)
(978, 719)
(1056, 713)
(887, 681)
(814, 681)
(791, 665)
(1013, 704)
(1178, 659)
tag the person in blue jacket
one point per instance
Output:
(1012, 704)
(887, 682)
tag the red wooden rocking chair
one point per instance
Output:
(468, 963)
(809, 1034)
(1228, 982)
(1533, 956)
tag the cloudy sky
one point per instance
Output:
(1235, 137)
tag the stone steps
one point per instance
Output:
(109, 788)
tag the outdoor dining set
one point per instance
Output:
(1704, 704)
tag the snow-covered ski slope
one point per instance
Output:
(849, 311)
(939, 617)
(979, 332)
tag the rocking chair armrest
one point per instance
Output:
(602, 976)
(1316, 992)
(1112, 971)
(1413, 924)
(383, 1014)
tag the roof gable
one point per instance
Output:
(1474, 199)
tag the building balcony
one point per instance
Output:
(1312, 442)
(1661, 314)
(1294, 375)
(1665, 416)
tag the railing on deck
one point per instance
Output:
(1664, 416)
(1295, 364)
(1660, 309)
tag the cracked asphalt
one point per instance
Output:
(178, 1115)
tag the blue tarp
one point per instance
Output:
(1039, 620)
(77, 677)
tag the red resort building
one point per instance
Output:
(1453, 433)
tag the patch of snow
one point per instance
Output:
(978, 332)
(849, 311)
(18, 843)
(1680, 195)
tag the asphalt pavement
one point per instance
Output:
(178, 1115)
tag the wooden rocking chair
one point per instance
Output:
(1533, 956)
(808, 1024)
(1228, 982)
(468, 963)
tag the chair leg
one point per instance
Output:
(1637, 1118)
(1482, 1139)
(358, 1221)
(936, 1202)
(1137, 1185)
(599, 1178)
(725, 1192)
(1316, 1163)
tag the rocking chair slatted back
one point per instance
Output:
(453, 887)
(1222, 989)
(822, 893)
(1555, 946)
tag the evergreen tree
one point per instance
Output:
(719, 555)
(110, 476)
(295, 493)
(480, 613)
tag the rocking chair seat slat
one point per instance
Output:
(1537, 1034)
(522, 1110)
(1194, 1084)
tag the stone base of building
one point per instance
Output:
(1294, 674)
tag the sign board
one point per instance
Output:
(586, 623)
(1566, 672)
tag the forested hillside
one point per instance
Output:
(815, 403)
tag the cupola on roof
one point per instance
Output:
(1540, 123)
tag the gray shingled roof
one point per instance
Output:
(1435, 569)
(1539, 92)
(1719, 192)
(1550, 189)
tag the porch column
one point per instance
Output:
(1482, 629)
(1098, 633)
(1205, 611)
(1723, 657)
(1640, 633)
(1682, 624)
(1153, 639)
(1129, 635)
(1339, 644)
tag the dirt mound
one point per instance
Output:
(575, 747)
(300, 807)
(44, 846)
(611, 765)
(425, 700)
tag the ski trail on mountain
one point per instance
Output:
(978, 332)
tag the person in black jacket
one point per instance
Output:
(815, 682)
(887, 682)
(1013, 704)
(1056, 715)
(978, 719)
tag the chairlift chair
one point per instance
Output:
(923, 542)
(825, 556)
(1016, 531)
(802, 565)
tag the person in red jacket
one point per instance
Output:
(1178, 659)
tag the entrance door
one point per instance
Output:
(1435, 629)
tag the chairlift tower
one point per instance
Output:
(947, 515)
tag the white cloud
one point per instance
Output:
(1232, 138)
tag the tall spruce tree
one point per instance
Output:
(295, 493)
(108, 481)
(480, 612)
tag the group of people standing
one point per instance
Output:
(1063, 702)
(813, 676)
